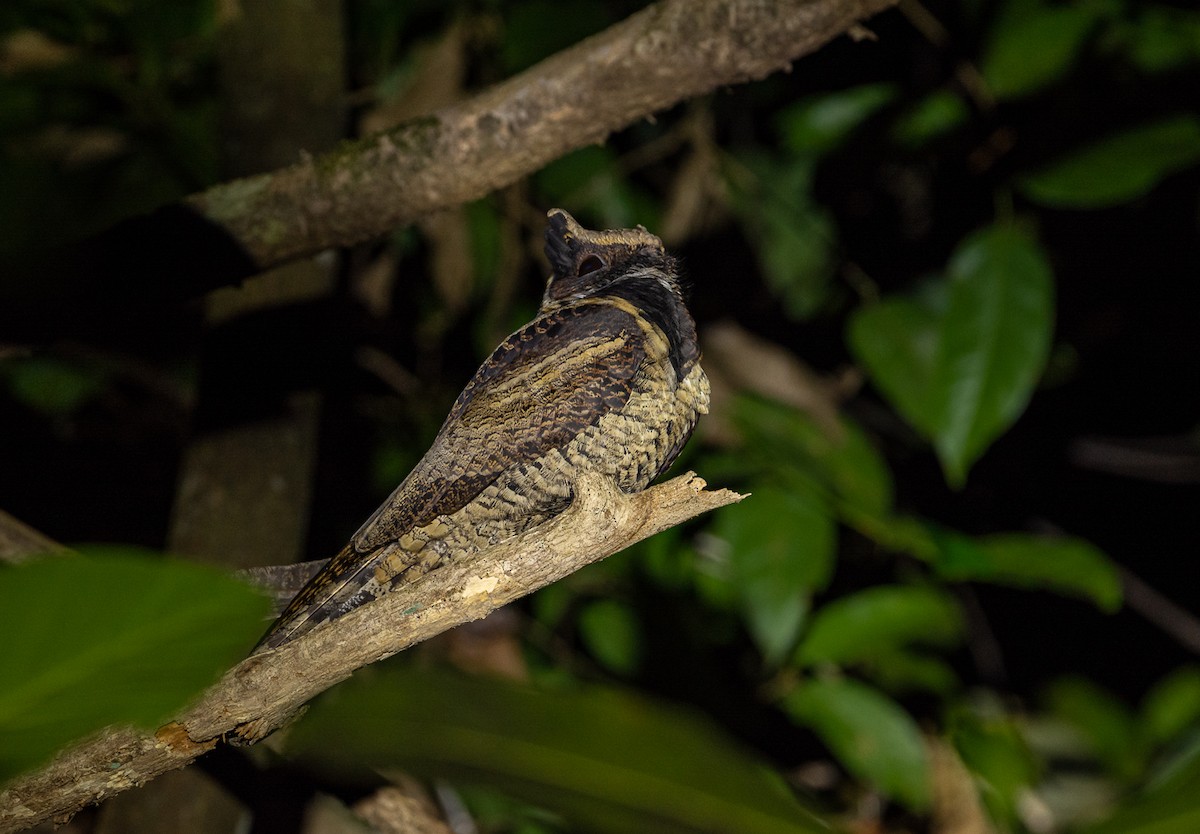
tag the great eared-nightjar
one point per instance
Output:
(607, 378)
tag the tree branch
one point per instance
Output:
(667, 53)
(19, 541)
(664, 54)
(265, 690)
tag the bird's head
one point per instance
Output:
(586, 263)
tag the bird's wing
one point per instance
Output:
(540, 388)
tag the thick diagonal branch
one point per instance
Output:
(669, 52)
(262, 692)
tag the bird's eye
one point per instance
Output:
(590, 264)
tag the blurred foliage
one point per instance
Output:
(652, 769)
(1118, 168)
(119, 637)
(944, 224)
(111, 102)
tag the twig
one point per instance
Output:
(1152, 604)
(19, 541)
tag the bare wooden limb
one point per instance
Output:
(667, 53)
(265, 690)
(19, 541)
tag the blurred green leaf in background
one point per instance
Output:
(610, 760)
(871, 734)
(1117, 168)
(130, 639)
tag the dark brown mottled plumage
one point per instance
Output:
(606, 378)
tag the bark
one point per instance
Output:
(266, 690)
(19, 541)
(665, 54)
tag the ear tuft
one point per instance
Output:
(560, 242)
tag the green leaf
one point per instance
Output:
(1169, 807)
(792, 234)
(1063, 565)
(995, 340)
(1172, 706)
(1163, 38)
(796, 247)
(782, 546)
(818, 125)
(1105, 722)
(993, 748)
(900, 671)
(551, 604)
(495, 811)
(1033, 44)
(897, 340)
(666, 559)
(841, 458)
(896, 532)
(855, 469)
(935, 114)
(51, 386)
(611, 633)
(1119, 168)
(599, 756)
(870, 734)
(961, 360)
(877, 621)
(121, 639)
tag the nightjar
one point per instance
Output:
(606, 378)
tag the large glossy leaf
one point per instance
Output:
(116, 639)
(1064, 565)
(877, 621)
(608, 760)
(960, 360)
(781, 549)
(1118, 168)
(1032, 44)
(870, 734)
(995, 339)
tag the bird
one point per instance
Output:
(606, 378)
